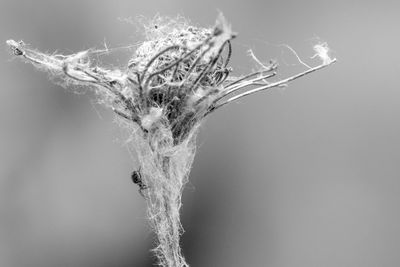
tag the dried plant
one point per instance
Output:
(177, 77)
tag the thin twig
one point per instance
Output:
(269, 69)
(246, 83)
(268, 86)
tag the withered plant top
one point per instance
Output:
(176, 77)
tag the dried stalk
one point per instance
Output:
(177, 77)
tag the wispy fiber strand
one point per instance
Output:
(178, 76)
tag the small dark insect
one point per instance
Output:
(137, 179)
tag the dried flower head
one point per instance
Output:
(178, 76)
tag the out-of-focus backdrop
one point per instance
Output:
(305, 176)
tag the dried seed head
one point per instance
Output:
(179, 75)
(178, 71)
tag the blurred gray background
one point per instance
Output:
(305, 176)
